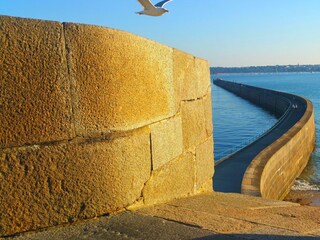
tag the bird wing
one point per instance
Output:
(146, 4)
(162, 3)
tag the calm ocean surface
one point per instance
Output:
(238, 122)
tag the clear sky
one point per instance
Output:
(226, 32)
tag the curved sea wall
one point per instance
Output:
(96, 120)
(273, 171)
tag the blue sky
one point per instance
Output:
(225, 32)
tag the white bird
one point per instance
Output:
(153, 10)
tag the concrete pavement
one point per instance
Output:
(206, 216)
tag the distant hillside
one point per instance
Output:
(267, 69)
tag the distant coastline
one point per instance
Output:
(267, 69)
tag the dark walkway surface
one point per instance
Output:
(229, 173)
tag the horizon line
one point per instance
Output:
(277, 65)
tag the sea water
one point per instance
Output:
(237, 122)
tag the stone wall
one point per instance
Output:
(96, 120)
(272, 173)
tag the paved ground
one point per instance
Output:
(209, 216)
(229, 173)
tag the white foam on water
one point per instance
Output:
(303, 185)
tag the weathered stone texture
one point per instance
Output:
(207, 108)
(184, 74)
(287, 162)
(166, 141)
(202, 77)
(175, 179)
(44, 186)
(191, 76)
(204, 167)
(120, 81)
(193, 123)
(34, 93)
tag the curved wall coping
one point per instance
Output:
(257, 171)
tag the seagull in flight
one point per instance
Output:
(153, 10)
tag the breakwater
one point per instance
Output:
(269, 166)
(95, 121)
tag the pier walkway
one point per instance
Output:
(229, 173)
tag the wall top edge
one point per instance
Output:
(264, 89)
(98, 26)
